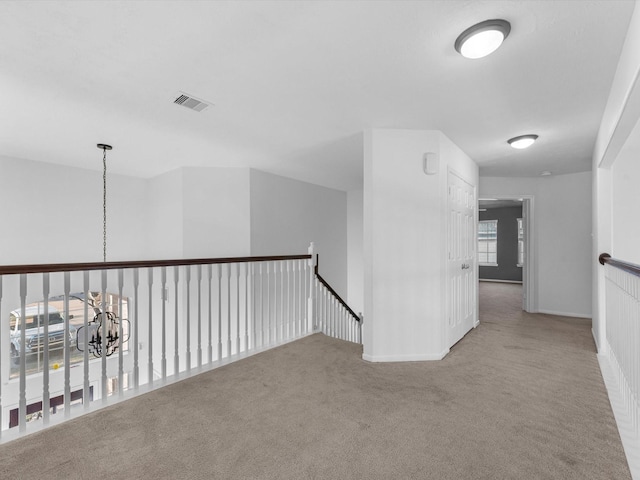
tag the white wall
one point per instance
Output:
(216, 212)
(625, 195)
(287, 215)
(615, 166)
(562, 236)
(355, 255)
(404, 243)
(165, 193)
(53, 214)
(198, 212)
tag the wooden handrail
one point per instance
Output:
(76, 267)
(631, 268)
(334, 293)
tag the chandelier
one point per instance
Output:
(105, 330)
(108, 328)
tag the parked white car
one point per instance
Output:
(33, 323)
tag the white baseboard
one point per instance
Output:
(500, 281)
(630, 441)
(564, 314)
(595, 339)
(405, 358)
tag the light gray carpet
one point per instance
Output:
(520, 397)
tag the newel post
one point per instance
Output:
(311, 302)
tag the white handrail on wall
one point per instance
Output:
(623, 335)
(621, 366)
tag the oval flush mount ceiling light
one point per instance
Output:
(483, 38)
(523, 141)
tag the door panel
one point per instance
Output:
(461, 244)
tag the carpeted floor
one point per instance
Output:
(520, 397)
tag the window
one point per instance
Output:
(520, 243)
(34, 320)
(488, 242)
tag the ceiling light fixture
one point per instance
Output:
(523, 141)
(482, 38)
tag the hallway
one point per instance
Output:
(519, 397)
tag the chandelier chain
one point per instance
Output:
(104, 205)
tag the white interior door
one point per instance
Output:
(461, 246)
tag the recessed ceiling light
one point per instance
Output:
(482, 38)
(523, 141)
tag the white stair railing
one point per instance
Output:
(622, 352)
(334, 317)
(92, 334)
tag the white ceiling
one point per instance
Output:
(295, 83)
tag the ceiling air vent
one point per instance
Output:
(190, 102)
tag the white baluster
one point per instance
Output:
(210, 331)
(312, 320)
(150, 340)
(219, 273)
(163, 286)
(282, 296)
(176, 320)
(302, 297)
(228, 276)
(136, 338)
(334, 319)
(103, 329)
(332, 332)
(296, 300)
(327, 308)
(45, 350)
(199, 351)
(1, 356)
(323, 308)
(275, 302)
(261, 309)
(237, 307)
(268, 267)
(246, 307)
(187, 279)
(121, 333)
(289, 298)
(22, 408)
(67, 347)
(329, 313)
(253, 306)
(86, 390)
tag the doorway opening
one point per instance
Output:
(505, 243)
